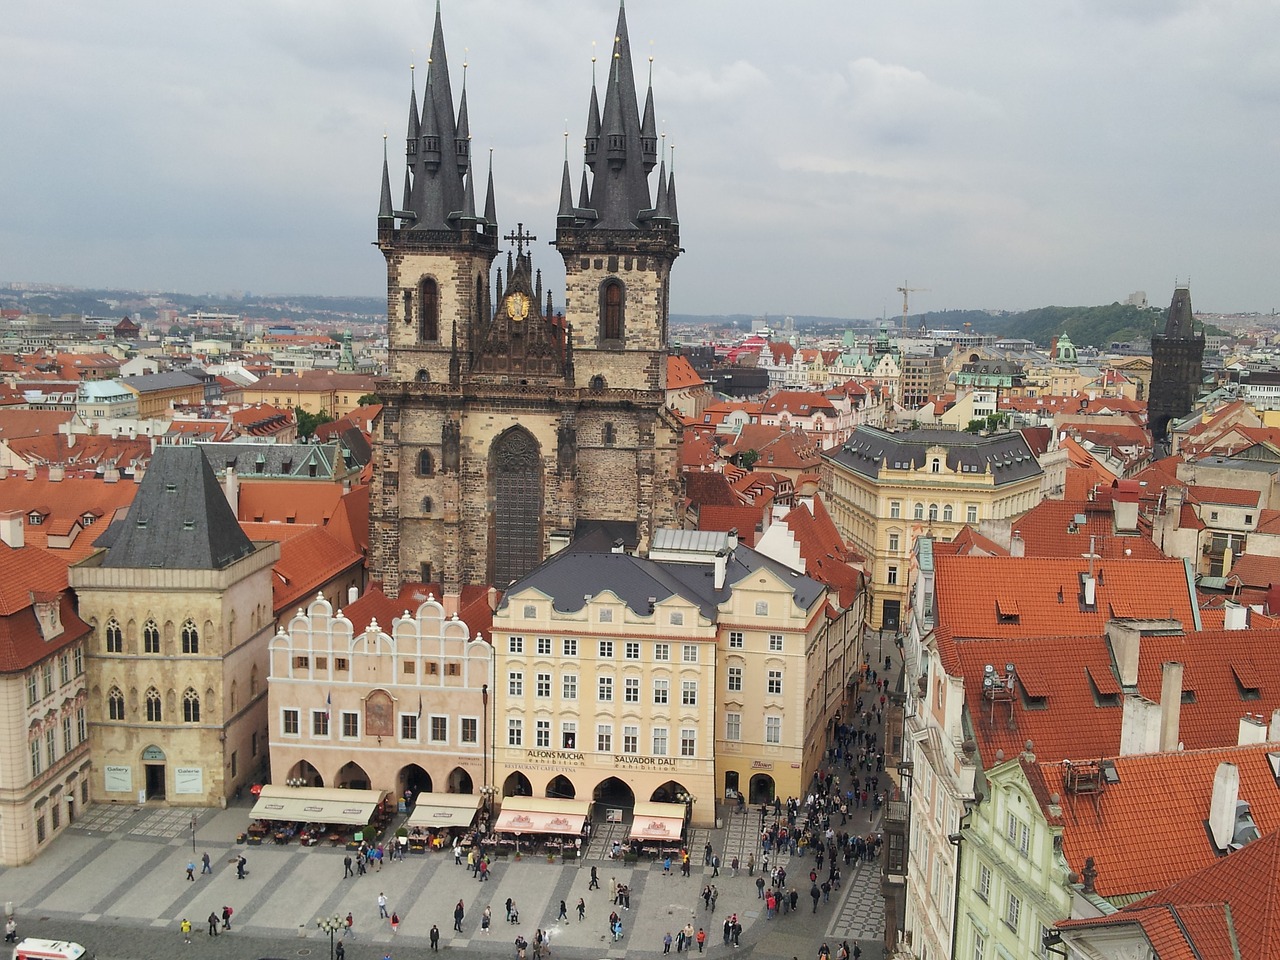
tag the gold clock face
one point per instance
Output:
(517, 306)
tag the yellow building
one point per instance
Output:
(181, 605)
(336, 394)
(885, 489)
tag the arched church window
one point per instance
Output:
(115, 637)
(155, 712)
(190, 706)
(611, 310)
(115, 704)
(426, 465)
(428, 310)
(190, 638)
(150, 637)
(609, 435)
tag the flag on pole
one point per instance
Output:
(328, 702)
(419, 708)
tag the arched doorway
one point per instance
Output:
(459, 781)
(560, 786)
(515, 542)
(517, 785)
(415, 779)
(304, 771)
(352, 776)
(669, 792)
(761, 789)
(614, 793)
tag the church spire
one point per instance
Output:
(490, 205)
(648, 127)
(384, 204)
(566, 185)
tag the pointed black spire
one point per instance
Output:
(593, 121)
(584, 197)
(468, 197)
(671, 190)
(438, 188)
(537, 287)
(384, 204)
(566, 186)
(1180, 321)
(490, 205)
(648, 127)
(462, 139)
(660, 205)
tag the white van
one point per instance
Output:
(32, 949)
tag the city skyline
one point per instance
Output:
(1006, 159)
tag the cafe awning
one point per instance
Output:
(437, 810)
(526, 815)
(316, 805)
(657, 821)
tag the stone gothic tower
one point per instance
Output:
(1176, 368)
(508, 428)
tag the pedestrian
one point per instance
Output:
(486, 918)
(751, 864)
(360, 861)
(715, 895)
(760, 888)
(510, 904)
(205, 865)
(680, 940)
(191, 871)
(213, 924)
(701, 937)
(666, 943)
(563, 914)
(484, 869)
(715, 866)
(666, 865)
(395, 922)
(435, 938)
(582, 909)
(226, 917)
(457, 852)
(11, 930)
(382, 906)
(185, 927)
(595, 880)
(346, 864)
(339, 952)
(458, 914)
(350, 929)
(816, 895)
(240, 863)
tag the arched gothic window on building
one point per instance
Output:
(114, 636)
(190, 638)
(611, 310)
(150, 637)
(115, 704)
(426, 465)
(428, 311)
(155, 709)
(190, 706)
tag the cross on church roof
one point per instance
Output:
(520, 238)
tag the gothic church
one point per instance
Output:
(508, 428)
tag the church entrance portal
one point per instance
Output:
(516, 542)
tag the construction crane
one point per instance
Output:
(907, 291)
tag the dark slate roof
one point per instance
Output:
(1179, 323)
(289, 459)
(572, 575)
(1006, 455)
(179, 520)
(161, 381)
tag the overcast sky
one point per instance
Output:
(1001, 153)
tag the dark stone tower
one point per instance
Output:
(1176, 371)
(509, 428)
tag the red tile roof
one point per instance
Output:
(15, 424)
(1153, 589)
(1257, 571)
(61, 505)
(308, 561)
(680, 374)
(800, 403)
(1147, 831)
(1049, 530)
(1228, 496)
(710, 489)
(744, 519)
(296, 501)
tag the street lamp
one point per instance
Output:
(331, 925)
(193, 833)
(487, 792)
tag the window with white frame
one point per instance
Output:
(1024, 839)
(605, 690)
(688, 742)
(289, 722)
(631, 690)
(1012, 910)
(569, 646)
(605, 650)
(773, 683)
(350, 725)
(515, 645)
(662, 652)
(971, 513)
(604, 738)
(469, 729)
(320, 723)
(689, 653)
(735, 679)
(893, 543)
(542, 685)
(984, 882)
(659, 741)
(661, 691)
(631, 650)
(515, 732)
(689, 693)
(568, 735)
(569, 686)
(895, 509)
(979, 946)
(36, 766)
(772, 729)
(515, 683)
(733, 726)
(775, 643)
(544, 646)
(891, 577)
(630, 739)
(409, 727)
(439, 728)
(542, 733)
(82, 728)
(735, 640)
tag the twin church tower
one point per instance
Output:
(510, 427)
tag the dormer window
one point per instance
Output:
(35, 519)
(935, 465)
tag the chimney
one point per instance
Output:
(1235, 617)
(111, 473)
(231, 488)
(722, 559)
(733, 538)
(1125, 641)
(1017, 546)
(619, 546)
(1222, 808)
(57, 472)
(12, 530)
(1139, 725)
(1252, 730)
(450, 602)
(1274, 733)
(1090, 587)
(353, 594)
(492, 598)
(1170, 704)
(1124, 512)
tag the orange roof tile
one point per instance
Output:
(1230, 496)
(745, 519)
(61, 504)
(1256, 571)
(1049, 530)
(680, 374)
(296, 501)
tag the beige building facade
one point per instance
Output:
(392, 707)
